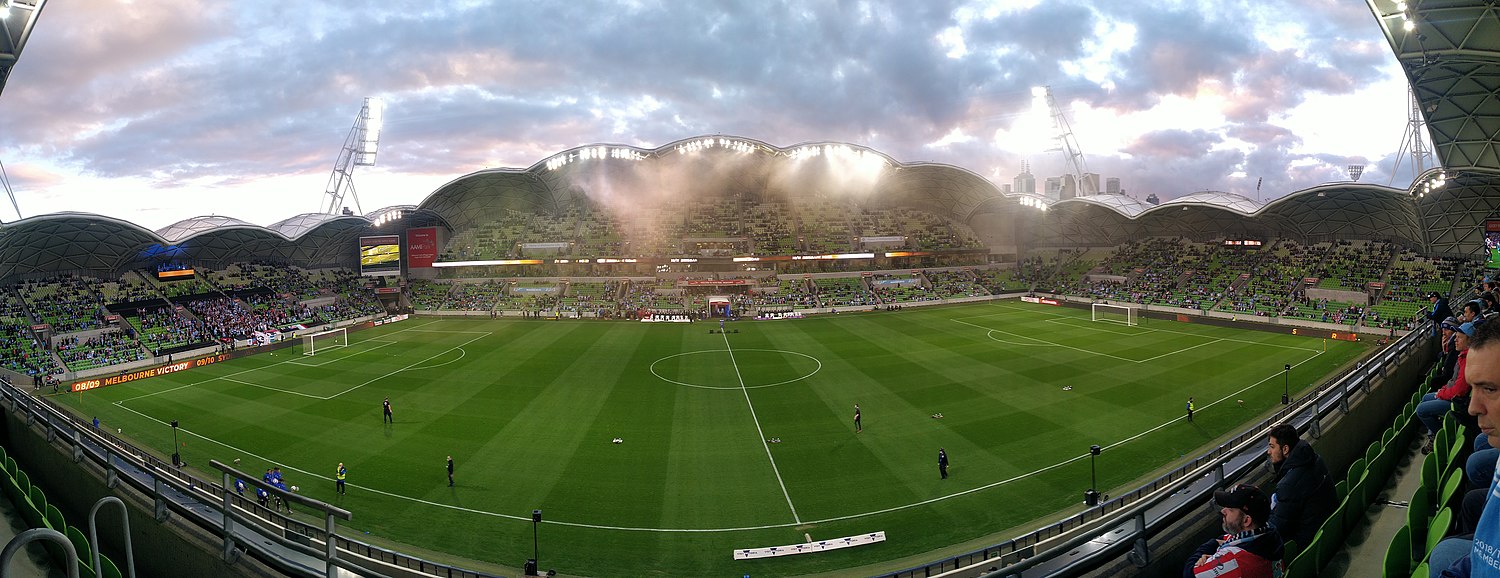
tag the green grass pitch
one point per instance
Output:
(529, 409)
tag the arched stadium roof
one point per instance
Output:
(1451, 57)
(15, 28)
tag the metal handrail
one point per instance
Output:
(163, 477)
(1048, 543)
(21, 540)
(125, 529)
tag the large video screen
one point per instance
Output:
(380, 256)
(1492, 244)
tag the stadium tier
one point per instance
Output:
(550, 334)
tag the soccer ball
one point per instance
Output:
(294, 488)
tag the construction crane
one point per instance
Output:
(1088, 183)
(359, 151)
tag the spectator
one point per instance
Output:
(1437, 404)
(1305, 494)
(1249, 547)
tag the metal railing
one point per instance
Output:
(205, 504)
(1144, 511)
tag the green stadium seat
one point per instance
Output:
(1437, 530)
(108, 568)
(1357, 471)
(1332, 535)
(38, 498)
(1372, 452)
(1450, 491)
(1429, 479)
(85, 554)
(1422, 571)
(10, 466)
(1355, 505)
(55, 519)
(1398, 554)
(1455, 449)
(1417, 516)
(1440, 447)
(1305, 565)
(1341, 489)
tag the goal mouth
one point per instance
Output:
(1122, 314)
(314, 343)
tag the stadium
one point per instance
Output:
(730, 356)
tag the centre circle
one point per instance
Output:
(724, 369)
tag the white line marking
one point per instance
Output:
(1079, 349)
(303, 394)
(1179, 351)
(424, 360)
(795, 518)
(1012, 308)
(1094, 325)
(345, 347)
(292, 360)
(743, 528)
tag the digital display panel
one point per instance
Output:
(380, 256)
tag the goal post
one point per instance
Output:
(312, 343)
(1116, 314)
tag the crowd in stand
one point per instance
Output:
(107, 348)
(67, 303)
(162, 328)
(227, 318)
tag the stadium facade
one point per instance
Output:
(1446, 222)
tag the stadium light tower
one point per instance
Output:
(359, 151)
(1413, 142)
(1087, 183)
(5, 182)
(1355, 171)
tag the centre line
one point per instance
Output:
(758, 430)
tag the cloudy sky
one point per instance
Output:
(162, 110)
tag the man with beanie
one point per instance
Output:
(1249, 547)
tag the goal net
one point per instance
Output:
(314, 343)
(1115, 314)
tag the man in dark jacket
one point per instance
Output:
(1249, 548)
(1439, 311)
(1305, 494)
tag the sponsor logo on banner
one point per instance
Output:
(421, 247)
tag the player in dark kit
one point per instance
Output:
(943, 463)
(857, 426)
(386, 407)
(450, 471)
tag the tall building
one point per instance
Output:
(1025, 182)
(1052, 187)
(1090, 183)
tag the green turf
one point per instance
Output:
(528, 409)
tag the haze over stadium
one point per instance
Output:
(156, 113)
